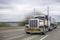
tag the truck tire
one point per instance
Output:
(27, 32)
(43, 33)
(55, 27)
(50, 29)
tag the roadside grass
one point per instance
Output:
(9, 28)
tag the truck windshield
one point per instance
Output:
(42, 18)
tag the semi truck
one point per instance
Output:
(40, 24)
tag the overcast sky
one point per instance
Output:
(16, 10)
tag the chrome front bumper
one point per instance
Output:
(34, 30)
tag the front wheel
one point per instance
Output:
(27, 32)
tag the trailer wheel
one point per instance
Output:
(55, 27)
(51, 28)
(43, 33)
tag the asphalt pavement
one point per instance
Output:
(19, 34)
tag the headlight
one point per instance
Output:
(27, 26)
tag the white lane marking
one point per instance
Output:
(31, 37)
(43, 37)
(14, 37)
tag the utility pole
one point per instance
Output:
(48, 10)
(47, 14)
(34, 12)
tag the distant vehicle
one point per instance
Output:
(40, 24)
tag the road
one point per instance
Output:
(19, 34)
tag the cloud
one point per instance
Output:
(57, 0)
(13, 10)
(57, 17)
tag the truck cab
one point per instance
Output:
(38, 24)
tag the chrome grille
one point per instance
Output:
(33, 23)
